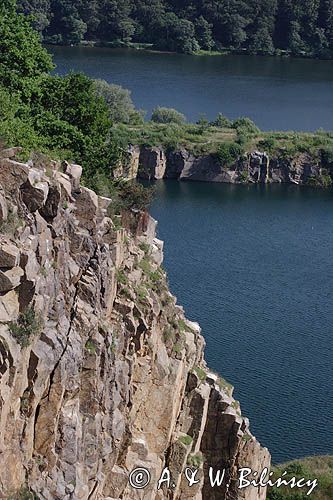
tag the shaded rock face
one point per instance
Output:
(107, 375)
(254, 168)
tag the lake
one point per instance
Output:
(253, 265)
(277, 93)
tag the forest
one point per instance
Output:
(296, 27)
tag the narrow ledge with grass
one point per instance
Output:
(101, 370)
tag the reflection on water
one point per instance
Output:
(277, 93)
(253, 265)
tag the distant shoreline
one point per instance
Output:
(148, 47)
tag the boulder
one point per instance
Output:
(3, 208)
(10, 152)
(9, 306)
(74, 172)
(34, 192)
(9, 255)
(10, 279)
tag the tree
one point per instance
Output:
(118, 99)
(262, 42)
(167, 115)
(203, 33)
(66, 24)
(40, 10)
(22, 58)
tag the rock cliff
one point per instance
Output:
(101, 372)
(253, 168)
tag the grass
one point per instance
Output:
(320, 467)
(200, 373)
(193, 137)
(224, 384)
(229, 141)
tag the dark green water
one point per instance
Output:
(276, 93)
(254, 266)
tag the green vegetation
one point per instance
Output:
(200, 373)
(177, 348)
(62, 117)
(282, 27)
(11, 224)
(320, 468)
(195, 460)
(27, 326)
(228, 152)
(167, 115)
(120, 104)
(121, 277)
(24, 494)
(90, 347)
(224, 384)
(186, 440)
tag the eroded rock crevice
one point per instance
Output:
(105, 373)
(254, 167)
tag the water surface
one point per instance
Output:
(277, 93)
(254, 266)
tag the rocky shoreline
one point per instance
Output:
(254, 167)
(101, 372)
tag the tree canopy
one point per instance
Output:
(301, 27)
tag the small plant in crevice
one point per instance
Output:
(186, 440)
(145, 247)
(24, 494)
(195, 460)
(27, 326)
(126, 292)
(177, 348)
(11, 224)
(90, 347)
(121, 277)
(201, 374)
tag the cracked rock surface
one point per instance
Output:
(100, 370)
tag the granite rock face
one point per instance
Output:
(253, 168)
(101, 372)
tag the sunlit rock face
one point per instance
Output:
(254, 167)
(101, 372)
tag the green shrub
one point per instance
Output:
(145, 247)
(27, 326)
(186, 440)
(267, 144)
(229, 152)
(246, 125)
(90, 346)
(195, 460)
(167, 115)
(221, 121)
(327, 156)
(135, 196)
(118, 99)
